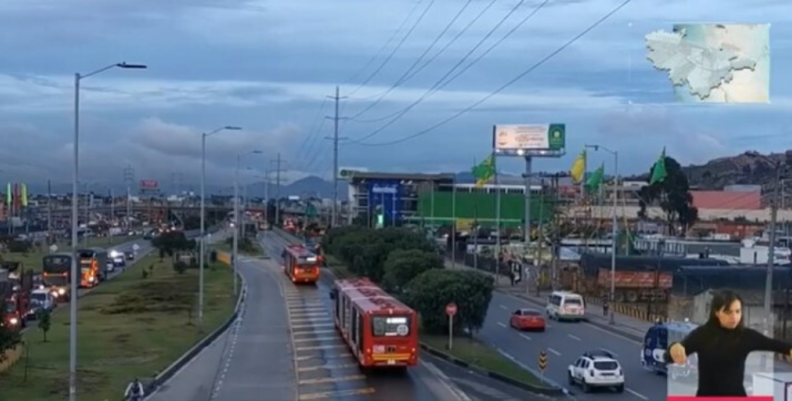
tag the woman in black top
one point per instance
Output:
(722, 345)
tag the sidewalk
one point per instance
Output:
(626, 325)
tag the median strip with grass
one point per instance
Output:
(133, 326)
(246, 247)
(32, 259)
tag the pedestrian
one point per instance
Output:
(722, 345)
(605, 308)
(134, 391)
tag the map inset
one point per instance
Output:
(714, 63)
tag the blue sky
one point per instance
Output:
(268, 66)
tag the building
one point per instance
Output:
(389, 198)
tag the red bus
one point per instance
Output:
(380, 330)
(300, 264)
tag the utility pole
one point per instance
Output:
(49, 212)
(336, 118)
(768, 296)
(129, 179)
(278, 162)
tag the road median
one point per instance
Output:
(135, 325)
(467, 351)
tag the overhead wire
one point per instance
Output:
(311, 131)
(504, 86)
(433, 58)
(395, 49)
(442, 81)
(403, 77)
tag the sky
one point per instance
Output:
(270, 67)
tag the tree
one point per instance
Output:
(44, 321)
(432, 290)
(404, 265)
(9, 337)
(672, 194)
(171, 242)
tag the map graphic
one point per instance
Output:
(714, 63)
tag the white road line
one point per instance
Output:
(610, 352)
(445, 381)
(502, 325)
(554, 352)
(576, 338)
(504, 307)
(637, 394)
(525, 337)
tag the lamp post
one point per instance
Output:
(235, 257)
(202, 243)
(614, 222)
(74, 223)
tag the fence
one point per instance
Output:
(11, 357)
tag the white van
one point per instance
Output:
(562, 305)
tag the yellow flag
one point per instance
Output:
(578, 169)
(23, 195)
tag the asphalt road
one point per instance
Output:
(564, 342)
(433, 379)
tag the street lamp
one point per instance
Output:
(235, 258)
(614, 222)
(202, 240)
(74, 223)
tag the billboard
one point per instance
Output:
(543, 140)
(347, 172)
(148, 184)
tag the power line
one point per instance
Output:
(440, 82)
(431, 46)
(311, 131)
(507, 84)
(433, 58)
(396, 49)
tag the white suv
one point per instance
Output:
(597, 369)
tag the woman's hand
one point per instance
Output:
(678, 354)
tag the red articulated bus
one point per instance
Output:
(300, 264)
(380, 330)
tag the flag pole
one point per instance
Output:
(497, 212)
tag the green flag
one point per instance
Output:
(659, 172)
(595, 180)
(485, 171)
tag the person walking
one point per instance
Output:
(134, 391)
(722, 345)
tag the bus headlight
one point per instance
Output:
(14, 321)
(61, 291)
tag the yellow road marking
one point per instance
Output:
(308, 320)
(315, 339)
(320, 347)
(332, 379)
(328, 367)
(309, 326)
(327, 395)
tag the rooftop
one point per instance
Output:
(358, 175)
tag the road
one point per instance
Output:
(434, 378)
(565, 342)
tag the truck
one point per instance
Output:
(56, 275)
(93, 266)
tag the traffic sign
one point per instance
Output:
(53, 248)
(542, 361)
(135, 247)
(451, 309)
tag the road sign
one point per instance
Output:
(451, 309)
(542, 361)
(135, 247)
(53, 248)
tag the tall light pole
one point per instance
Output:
(237, 220)
(74, 272)
(614, 222)
(202, 239)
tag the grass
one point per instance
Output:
(464, 348)
(226, 247)
(32, 260)
(129, 327)
(478, 354)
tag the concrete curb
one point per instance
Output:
(188, 356)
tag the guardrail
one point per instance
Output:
(550, 390)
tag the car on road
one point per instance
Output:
(130, 255)
(117, 258)
(40, 299)
(564, 305)
(597, 369)
(527, 319)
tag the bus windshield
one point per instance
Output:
(390, 326)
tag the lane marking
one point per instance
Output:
(303, 358)
(445, 381)
(316, 339)
(304, 320)
(504, 307)
(311, 326)
(327, 367)
(329, 395)
(576, 338)
(320, 347)
(525, 337)
(501, 325)
(309, 314)
(637, 394)
(554, 352)
(314, 332)
(610, 352)
(331, 380)
(308, 309)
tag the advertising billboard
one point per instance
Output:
(543, 140)
(148, 184)
(347, 172)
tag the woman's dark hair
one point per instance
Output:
(722, 299)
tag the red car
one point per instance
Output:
(527, 319)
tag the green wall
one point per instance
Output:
(482, 206)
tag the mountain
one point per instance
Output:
(749, 168)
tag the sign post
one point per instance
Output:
(451, 310)
(542, 362)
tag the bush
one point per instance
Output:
(430, 292)
(404, 265)
(18, 246)
(9, 338)
(180, 267)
